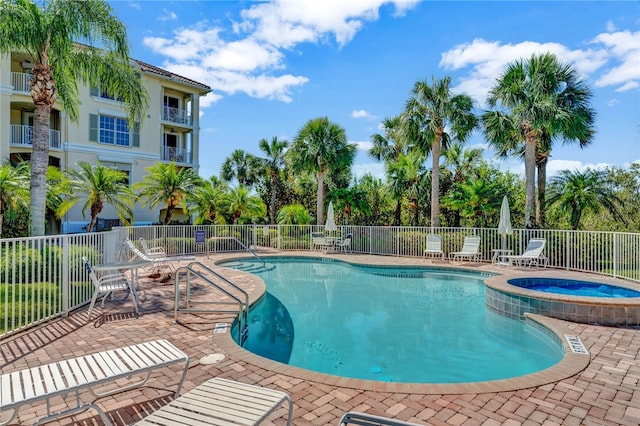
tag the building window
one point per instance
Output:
(103, 94)
(113, 130)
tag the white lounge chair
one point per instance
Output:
(109, 283)
(532, 255)
(434, 246)
(153, 251)
(363, 419)
(115, 368)
(470, 250)
(155, 261)
(220, 402)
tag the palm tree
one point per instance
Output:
(240, 166)
(167, 185)
(543, 99)
(405, 174)
(244, 204)
(575, 192)
(462, 162)
(293, 214)
(320, 147)
(429, 113)
(48, 35)
(99, 185)
(350, 199)
(273, 165)
(14, 188)
(210, 199)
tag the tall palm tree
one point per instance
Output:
(429, 113)
(319, 147)
(99, 185)
(210, 199)
(274, 163)
(244, 204)
(168, 185)
(575, 192)
(14, 188)
(543, 99)
(49, 35)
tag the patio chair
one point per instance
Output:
(470, 249)
(434, 246)
(345, 245)
(108, 284)
(533, 254)
(318, 240)
(355, 418)
(157, 251)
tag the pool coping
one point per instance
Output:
(570, 364)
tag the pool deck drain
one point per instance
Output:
(606, 392)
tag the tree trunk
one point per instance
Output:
(274, 180)
(542, 189)
(43, 93)
(320, 201)
(168, 215)
(397, 214)
(530, 172)
(435, 181)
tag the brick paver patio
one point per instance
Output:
(606, 392)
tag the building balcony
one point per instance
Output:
(21, 82)
(176, 115)
(22, 136)
(178, 155)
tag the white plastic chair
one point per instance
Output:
(318, 240)
(434, 246)
(470, 250)
(533, 254)
(345, 245)
(107, 284)
(157, 252)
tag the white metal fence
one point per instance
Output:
(42, 278)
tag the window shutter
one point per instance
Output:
(136, 136)
(93, 128)
(94, 91)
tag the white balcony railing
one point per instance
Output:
(176, 115)
(21, 82)
(179, 155)
(23, 135)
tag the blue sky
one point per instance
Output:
(273, 66)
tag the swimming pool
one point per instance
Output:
(573, 287)
(419, 325)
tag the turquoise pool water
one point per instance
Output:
(415, 325)
(573, 287)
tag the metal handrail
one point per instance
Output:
(243, 311)
(248, 249)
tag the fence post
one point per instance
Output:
(66, 265)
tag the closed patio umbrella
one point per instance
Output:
(330, 226)
(504, 226)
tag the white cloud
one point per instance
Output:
(555, 166)
(167, 15)
(361, 113)
(251, 59)
(487, 60)
(362, 145)
(375, 169)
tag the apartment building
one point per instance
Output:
(169, 133)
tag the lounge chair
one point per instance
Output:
(531, 255)
(153, 251)
(470, 250)
(119, 369)
(109, 283)
(355, 418)
(434, 246)
(155, 261)
(220, 402)
(345, 245)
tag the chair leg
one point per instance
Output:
(93, 302)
